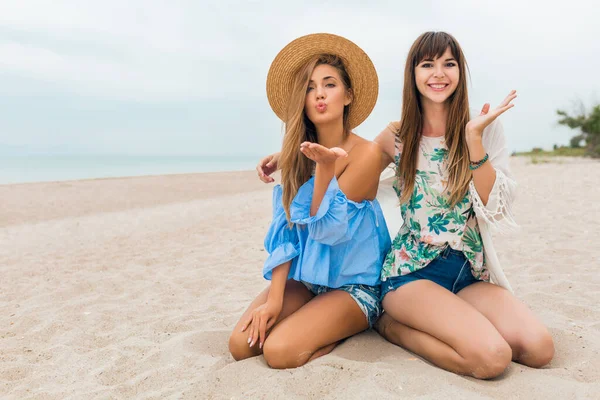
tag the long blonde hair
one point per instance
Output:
(296, 168)
(428, 46)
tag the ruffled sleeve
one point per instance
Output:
(498, 212)
(281, 241)
(329, 225)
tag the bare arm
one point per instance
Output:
(323, 205)
(325, 170)
(278, 280)
(264, 316)
(484, 176)
(323, 175)
(360, 179)
(387, 142)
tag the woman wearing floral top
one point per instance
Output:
(453, 182)
(444, 293)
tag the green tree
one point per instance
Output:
(576, 141)
(589, 125)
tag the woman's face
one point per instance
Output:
(437, 79)
(326, 96)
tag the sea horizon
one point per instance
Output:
(30, 168)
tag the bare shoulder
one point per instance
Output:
(360, 177)
(364, 148)
(394, 126)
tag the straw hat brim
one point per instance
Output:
(360, 69)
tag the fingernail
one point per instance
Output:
(260, 345)
(251, 344)
(249, 339)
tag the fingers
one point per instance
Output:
(506, 104)
(270, 167)
(248, 321)
(263, 174)
(253, 332)
(262, 331)
(259, 170)
(339, 152)
(264, 178)
(485, 109)
(503, 107)
(317, 152)
(511, 96)
(501, 110)
(311, 150)
(315, 147)
(307, 152)
(264, 162)
(309, 146)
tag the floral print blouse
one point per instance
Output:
(430, 223)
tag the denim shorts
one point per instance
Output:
(450, 270)
(367, 297)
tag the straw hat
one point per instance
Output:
(360, 68)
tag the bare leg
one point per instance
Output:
(314, 330)
(295, 296)
(528, 338)
(410, 338)
(444, 329)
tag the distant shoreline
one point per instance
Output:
(61, 168)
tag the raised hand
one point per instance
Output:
(321, 154)
(476, 126)
(267, 166)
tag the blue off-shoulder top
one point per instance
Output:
(345, 242)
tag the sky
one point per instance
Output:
(148, 77)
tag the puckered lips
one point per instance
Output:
(321, 107)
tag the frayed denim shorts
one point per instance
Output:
(450, 270)
(367, 297)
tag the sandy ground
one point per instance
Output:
(129, 288)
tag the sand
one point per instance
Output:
(129, 288)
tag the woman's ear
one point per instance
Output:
(349, 97)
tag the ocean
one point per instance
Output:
(46, 168)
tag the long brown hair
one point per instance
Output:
(432, 45)
(296, 168)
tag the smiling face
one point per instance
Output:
(326, 96)
(437, 78)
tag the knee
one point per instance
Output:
(536, 350)
(238, 346)
(489, 360)
(280, 354)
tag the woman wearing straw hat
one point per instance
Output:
(328, 237)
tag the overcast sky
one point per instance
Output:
(188, 77)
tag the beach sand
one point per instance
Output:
(129, 288)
